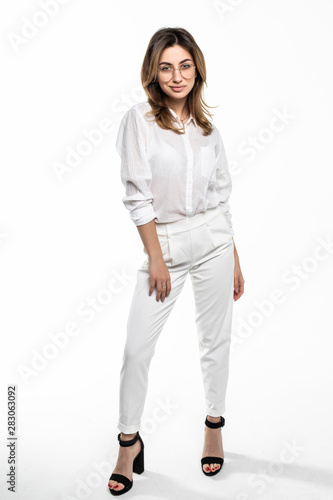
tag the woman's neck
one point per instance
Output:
(180, 108)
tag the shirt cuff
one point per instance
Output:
(143, 215)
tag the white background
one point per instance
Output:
(66, 241)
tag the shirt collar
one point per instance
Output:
(177, 117)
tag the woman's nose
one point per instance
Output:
(177, 76)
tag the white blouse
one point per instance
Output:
(167, 176)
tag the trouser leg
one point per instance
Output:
(213, 285)
(145, 323)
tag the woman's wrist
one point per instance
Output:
(155, 256)
(235, 253)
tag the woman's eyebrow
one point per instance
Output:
(179, 63)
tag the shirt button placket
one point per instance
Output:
(189, 173)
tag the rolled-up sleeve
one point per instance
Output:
(135, 170)
(223, 182)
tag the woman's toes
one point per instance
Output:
(211, 467)
(116, 486)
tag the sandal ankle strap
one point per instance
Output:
(215, 425)
(130, 442)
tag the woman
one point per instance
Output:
(177, 184)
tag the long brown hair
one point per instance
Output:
(168, 37)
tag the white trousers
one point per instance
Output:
(201, 245)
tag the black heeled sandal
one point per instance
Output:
(213, 460)
(138, 466)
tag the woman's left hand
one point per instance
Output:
(238, 277)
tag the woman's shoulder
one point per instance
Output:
(139, 108)
(216, 134)
(136, 114)
(215, 130)
(132, 123)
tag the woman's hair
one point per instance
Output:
(168, 37)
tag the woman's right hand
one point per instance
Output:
(158, 270)
(159, 277)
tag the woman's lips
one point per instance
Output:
(177, 89)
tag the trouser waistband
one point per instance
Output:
(188, 222)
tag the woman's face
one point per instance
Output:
(176, 86)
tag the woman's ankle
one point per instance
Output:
(213, 419)
(127, 437)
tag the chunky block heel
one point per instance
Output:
(138, 465)
(213, 460)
